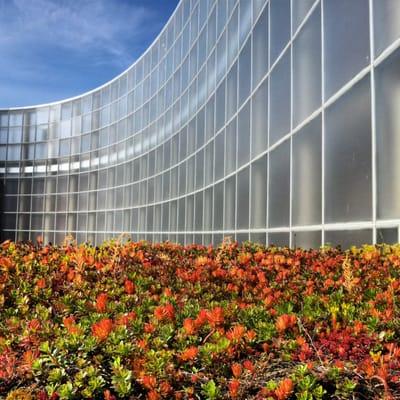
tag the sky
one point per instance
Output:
(55, 49)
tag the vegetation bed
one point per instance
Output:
(163, 321)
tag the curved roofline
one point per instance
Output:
(108, 82)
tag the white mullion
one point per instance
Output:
(268, 122)
(237, 117)
(291, 130)
(373, 119)
(224, 129)
(323, 125)
(250, 100)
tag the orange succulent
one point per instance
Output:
(78, 279)
(70, 325)
(285, 389)
(251, 335)
(244, 258)
(236, 333)
(165, 388)
(41, 283)
(236, 370)
(102, 329)
(285, 322)
(247, 364)
(149, 382)
(129, 287)
(168, 292)
(101, 302)
(201, 318)
(189, 325)
(34, 324)
(233, 387)
(149, 327)
(153, 395)
(108, 396)
(202, 261)
(28, 358)
(189, 354)
(166, 312)
(126, 318)
(215, 317)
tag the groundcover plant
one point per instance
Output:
(163, 321)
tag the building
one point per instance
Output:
(266, 120)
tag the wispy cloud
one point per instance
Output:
(100, 25)
(45, 39)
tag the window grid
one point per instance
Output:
(136, 86)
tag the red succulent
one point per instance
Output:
(285, 321)
(215, 317)
(189, 354)
(102, 329)
(165, 313)
(101, 302)
(285, 389)
(129, 287)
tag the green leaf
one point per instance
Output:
(210, 390)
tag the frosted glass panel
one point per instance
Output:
(218, 208)
(243, 199)
(199, 169)
(260, 48)
(346, 41)
(230, 147)
(279, 239)
(244, 135)
(181, 214)
(209, 163)
(306, 191)
(189, 213)
(306, 240)
(346, 239)
(220, 107)
(242, 237)
(307, 69)
(279, 186)
(387, 235)
(386, 23)
(245, 72)
(259, 193)
(259, 128)
(198, 212)
(257, 6)
(244, 19)
(231, 91)
(258, 237)
(208, 204)
(388, 137)
(348, 194)
(233, 35)
(219, 155)
(280, 100)
(230, 203)
(300, 8)
(280, 26)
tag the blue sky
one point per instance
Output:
(54, 49)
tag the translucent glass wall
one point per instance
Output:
(275, 121)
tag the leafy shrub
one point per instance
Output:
(164, 321)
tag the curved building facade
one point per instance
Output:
(275, 121)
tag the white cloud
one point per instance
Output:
(103, 26)
(53, 49)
